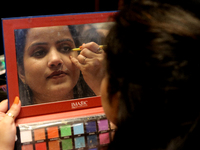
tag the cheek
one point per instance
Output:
(33, 68)
(34, 74)
(76, 75)
(74, 54)
(104, 98)
(75, 72)
(110, 109)
(67, 61)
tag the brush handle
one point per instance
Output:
(78, 49)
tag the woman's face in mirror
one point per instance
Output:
(48, 70)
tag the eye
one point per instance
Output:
(65, 48)
(39, 53)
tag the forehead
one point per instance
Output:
(48, 33)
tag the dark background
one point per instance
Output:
(35, 8)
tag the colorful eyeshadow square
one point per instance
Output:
(104, 138)
(39, 134)
(52, 132)
(27, 147)
(78, 128)
(79, 142)
(40, 146)
(91, 126)
(54, 145)
(92, 140)
(103, 124)
(26, 136)
(67, 144)
(65, 130)
(93, 149)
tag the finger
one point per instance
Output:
(14, 110)
(88, 53)
(92, 46)
(4, 106)
(82, 59)
(76, 62)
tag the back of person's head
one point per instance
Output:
(152, 60)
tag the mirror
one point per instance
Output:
(38, 66)
(45, 71)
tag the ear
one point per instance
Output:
(21, 74)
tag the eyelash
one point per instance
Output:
(69, 48)
(40, 52)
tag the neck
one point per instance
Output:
(42, 98)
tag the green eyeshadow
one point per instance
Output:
(65, 130)
(67, 144)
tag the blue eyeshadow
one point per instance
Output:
(78, 128)
(91, 126)
(79, 142)
(92, 140)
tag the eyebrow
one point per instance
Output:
(45, 43)
(64, 40)
(37, 44)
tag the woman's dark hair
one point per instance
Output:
(152, 60)
(80, 90)
(91, 35)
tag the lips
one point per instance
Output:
(57, 74)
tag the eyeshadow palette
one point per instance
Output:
(90, 132)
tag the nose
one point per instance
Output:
(54, 59)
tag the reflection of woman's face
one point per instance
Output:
(48, 70)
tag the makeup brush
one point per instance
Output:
(79, 49)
